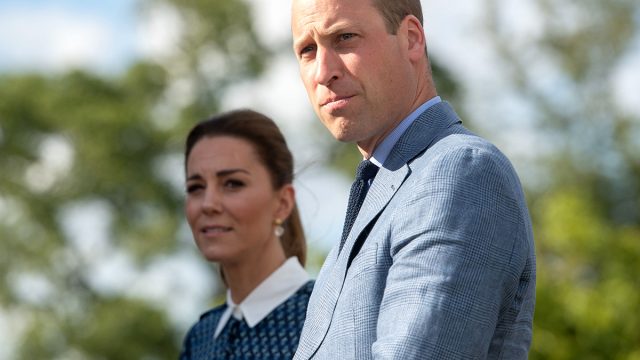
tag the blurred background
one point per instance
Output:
(96, 98)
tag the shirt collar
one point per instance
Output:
(272, 291)
(383, 150)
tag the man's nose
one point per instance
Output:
(328, 65)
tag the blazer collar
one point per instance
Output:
(430, 126)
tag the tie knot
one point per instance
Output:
(366, 170)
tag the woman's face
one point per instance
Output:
(231, 205)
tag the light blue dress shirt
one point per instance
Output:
(381, 152)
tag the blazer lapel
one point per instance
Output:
(384, 186)
(429, 127)
(334, 270)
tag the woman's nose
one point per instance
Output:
(211, 202)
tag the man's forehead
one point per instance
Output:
(325, 15)
(314, 9)
(314, 5)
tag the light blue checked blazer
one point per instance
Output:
(447, 270)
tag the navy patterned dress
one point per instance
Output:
(275, 337)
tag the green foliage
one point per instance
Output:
(108, 134)
(218, 48)
(109, 329)
(587, 214)
(78, 140)
(587, 281)
(72, 139)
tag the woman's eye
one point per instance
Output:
(193, 188)
(233, 184)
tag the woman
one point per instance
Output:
(241, 208)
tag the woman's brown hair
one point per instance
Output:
(272, 149)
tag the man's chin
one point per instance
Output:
(342, 135)
(339, 130)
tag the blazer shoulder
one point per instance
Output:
(464, 147)
(469, 160)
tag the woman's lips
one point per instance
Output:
(215, 230)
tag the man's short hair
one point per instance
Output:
(394, 11)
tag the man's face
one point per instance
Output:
(357, 75)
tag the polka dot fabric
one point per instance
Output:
(275, 337)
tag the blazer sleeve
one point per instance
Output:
(458, 248)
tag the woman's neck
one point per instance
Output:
(243, 277)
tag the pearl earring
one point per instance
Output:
(278, 230)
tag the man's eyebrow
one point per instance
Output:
(336, 28)
(333, 29)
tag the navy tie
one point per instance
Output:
(365, 172)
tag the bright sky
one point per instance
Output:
(106, 36)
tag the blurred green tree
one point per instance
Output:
(586, 204)
(78, 141)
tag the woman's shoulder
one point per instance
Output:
(287, 319)
(214, 313)
(306, 289)
(209, 319)
(300, 298)
(202, 331)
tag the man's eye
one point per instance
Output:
(307, 49)
(347, 36)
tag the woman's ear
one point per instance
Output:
(286, 202)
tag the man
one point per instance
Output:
(439, 262)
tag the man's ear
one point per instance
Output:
(416, 41)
